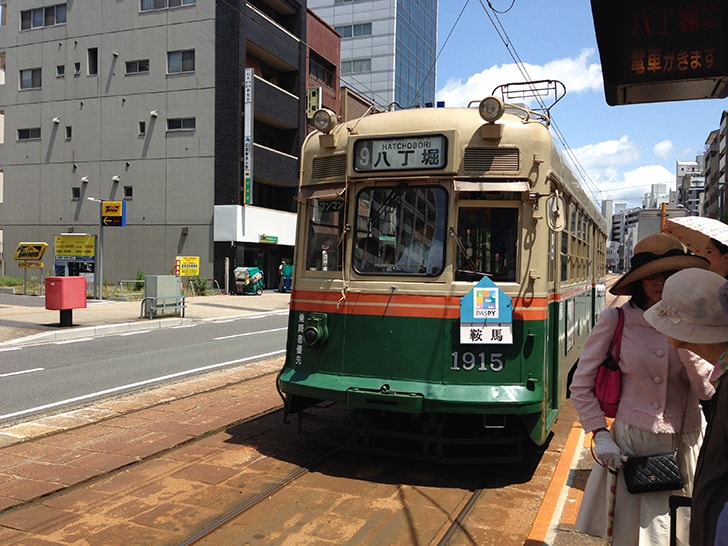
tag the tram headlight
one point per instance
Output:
(315, 331)
(491, 109)
(324, 120)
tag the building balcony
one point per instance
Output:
(271, 42)
(274, 167)
(275, 105)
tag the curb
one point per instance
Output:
(94, 331)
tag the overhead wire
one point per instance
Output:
(447, 39)
(520, 65)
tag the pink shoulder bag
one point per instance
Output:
(608, 383)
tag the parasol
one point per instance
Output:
(695, 231)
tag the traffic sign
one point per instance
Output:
(113, 213)
(38, 265)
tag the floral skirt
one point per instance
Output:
(644, 518)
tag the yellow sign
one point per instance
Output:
(75, 245)
(112, 208)
(187, 266)
(31, 264)
(30, 251)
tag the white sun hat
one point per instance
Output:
(691, 308)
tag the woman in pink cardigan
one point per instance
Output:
(658, 407)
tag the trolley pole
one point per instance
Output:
(100, 250)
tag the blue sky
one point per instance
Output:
(623, 149)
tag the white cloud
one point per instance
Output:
(578, 74)
(664, 150)
(607, 156)
(613, 166)
(632, 185)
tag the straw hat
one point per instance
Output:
(655, 254)
(690, 309)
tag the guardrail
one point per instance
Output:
(119, 289)
(154, 306)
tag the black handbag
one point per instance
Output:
(652, 473)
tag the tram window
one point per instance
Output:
(325, 226)
(400, 230)
(488, 242)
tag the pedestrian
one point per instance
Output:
(717, 254)
(694, 319)
(658, 408)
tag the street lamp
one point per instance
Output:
(100, 249)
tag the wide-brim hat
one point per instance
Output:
(690, 309)
(723, 296)
(655, 254)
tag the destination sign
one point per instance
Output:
(400, 154)
(661, 50)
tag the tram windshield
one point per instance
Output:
(400, 230)
(488, 239)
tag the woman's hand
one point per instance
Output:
(607, 451)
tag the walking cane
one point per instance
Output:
(612, 499)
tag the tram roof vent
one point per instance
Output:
(492, 160)
(329, 166)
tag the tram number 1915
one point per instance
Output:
(482, 361)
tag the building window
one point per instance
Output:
(43, 17)
(149, 5)
(345, 31)
(128, 192)
(349, 31)
(30, 79)
(142, 127)
(93, 61)
(75, 193)
(355, 66)
(363, 29)
(181, 124)
(321, 69)
(137, 67)
(60, 71)
(69, 132)
(181, 61)
(29, 134)
(76, 69)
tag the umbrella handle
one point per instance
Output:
(612, 500)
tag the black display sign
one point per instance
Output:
(662, 50)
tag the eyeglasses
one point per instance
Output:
(662, 274)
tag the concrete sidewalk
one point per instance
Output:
(24, 320)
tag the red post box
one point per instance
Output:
(65, 294)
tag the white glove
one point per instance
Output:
(606, 451)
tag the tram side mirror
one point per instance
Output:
(556, 212)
